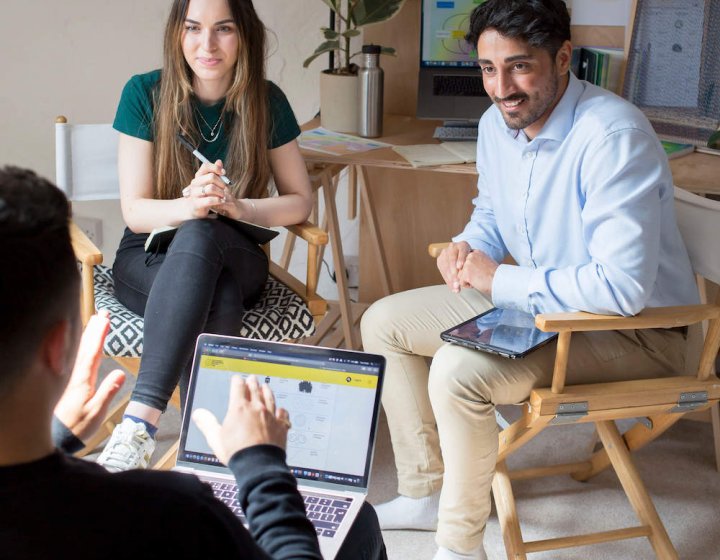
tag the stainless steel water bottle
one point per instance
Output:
(370, 80)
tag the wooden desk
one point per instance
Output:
(697, 172)
(404, 209)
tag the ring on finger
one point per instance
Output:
(203, 190)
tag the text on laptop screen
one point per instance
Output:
(330, 399)
(444, 26)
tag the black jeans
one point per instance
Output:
(364, 541)
(210, 274)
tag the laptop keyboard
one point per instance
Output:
(465, 86)
(456, 133)
(325, 513)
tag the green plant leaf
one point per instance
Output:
(364, 12)
(351, 33)
(330, 33)
(326, 47)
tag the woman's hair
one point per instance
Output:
(543, 24)
(246, 160)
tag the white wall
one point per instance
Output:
(72, 57)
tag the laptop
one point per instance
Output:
(450, 84)
(333, 397)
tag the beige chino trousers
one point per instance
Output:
(442, 415)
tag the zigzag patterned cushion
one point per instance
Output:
(280, 314)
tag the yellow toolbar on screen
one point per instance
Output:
(252, 367)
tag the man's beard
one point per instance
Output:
(542, 104)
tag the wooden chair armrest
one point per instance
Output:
(434, 249)
(310, 233)
(89, 256)
(85, 250)
(650, 318)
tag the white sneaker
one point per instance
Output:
(130, 447)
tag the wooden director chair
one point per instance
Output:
(287, 311)
(659, 403)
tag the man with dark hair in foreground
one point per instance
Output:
(52, 505)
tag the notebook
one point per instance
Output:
(160, 238)
(333, 397)
(446, 153)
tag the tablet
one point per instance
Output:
(506, 332)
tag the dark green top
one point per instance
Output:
(134, 116)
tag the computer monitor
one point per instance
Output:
(450, 85)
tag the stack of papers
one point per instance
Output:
(447, 153)
(336, 143)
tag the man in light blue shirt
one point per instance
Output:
(574, 186)
(585, 207)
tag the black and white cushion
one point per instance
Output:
(279, 314)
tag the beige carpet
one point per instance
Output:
(678, 469)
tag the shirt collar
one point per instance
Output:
(561, 120)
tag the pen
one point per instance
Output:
(185, 142)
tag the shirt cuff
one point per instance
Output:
(257, 458)
(510, 287)
(63, 438)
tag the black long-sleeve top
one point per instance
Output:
(60, 507)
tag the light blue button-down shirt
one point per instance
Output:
(585, 209)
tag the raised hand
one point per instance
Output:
(83, 407)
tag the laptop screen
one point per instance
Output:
(444, 26)
(333, 397)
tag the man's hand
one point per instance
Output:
(450, 263)
(251, 419)
(82, 408)
(478, 272)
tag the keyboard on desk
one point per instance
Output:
(325, 513)
(456, 133)
(458, 85)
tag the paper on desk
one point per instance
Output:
(465, 150)
(336, 143)
(425, 155)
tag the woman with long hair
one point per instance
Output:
(211, 89)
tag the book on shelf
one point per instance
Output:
(599, 66)
(160, 238)
(446, 153)
(676, 149)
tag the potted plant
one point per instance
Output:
(339, 104)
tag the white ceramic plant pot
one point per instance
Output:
(339, 109)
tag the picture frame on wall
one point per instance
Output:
(673, 67)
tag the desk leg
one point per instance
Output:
(375, 239)
(328, 186)
(352, 192)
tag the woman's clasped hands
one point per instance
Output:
(208, 195)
